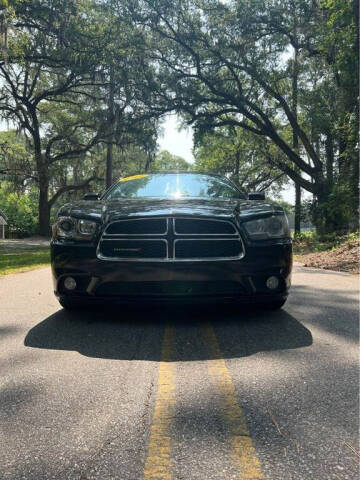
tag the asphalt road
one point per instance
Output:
(180, 394)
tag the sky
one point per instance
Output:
(181, 143)
(174, 141)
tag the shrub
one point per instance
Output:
(21, 210)
(334, 214)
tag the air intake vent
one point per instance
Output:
(141, 226)
(207, 249)
(134, 249)
(195, 226)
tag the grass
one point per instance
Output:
(23, 261)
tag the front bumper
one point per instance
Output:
(242, 281)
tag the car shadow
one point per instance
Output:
(136, 333)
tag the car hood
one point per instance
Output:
(107, 211)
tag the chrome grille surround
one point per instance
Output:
(171, 237)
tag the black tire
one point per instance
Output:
(275, 305)
(72, 303)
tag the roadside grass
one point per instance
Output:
(23, 261)
(311, 242)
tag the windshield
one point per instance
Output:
(173, 186)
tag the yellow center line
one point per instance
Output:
(243, 453)
(158, 463)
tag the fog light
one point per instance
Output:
(272, 283)
(70, 283)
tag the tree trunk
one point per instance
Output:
(109, 149)
(149, 160)
(295, 75)
(329, 148)
(44, 214)
(297, 226)
(343, 158)
(44, 205)
(43, 176)
(237, 167)
(109, 165)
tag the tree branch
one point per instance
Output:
(281, 165)
(69, 188)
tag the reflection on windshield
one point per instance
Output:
(173, 186)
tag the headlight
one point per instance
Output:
(86, 227)
(70, 228)
(276, 226)
(64, 227)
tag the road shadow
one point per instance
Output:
(135, 333)
(335, 311)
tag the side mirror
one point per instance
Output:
(256, 196)
(91, 196)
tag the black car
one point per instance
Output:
(171, 236)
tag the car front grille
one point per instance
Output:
(170, 239)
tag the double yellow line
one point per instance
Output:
(158, 464)
(243, 453)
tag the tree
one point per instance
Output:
(50, 59)
(224, 63)
(63, 57)
(237, 154)
(16, 161)
(165, 160)
(129, 76)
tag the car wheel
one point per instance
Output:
(71, 303)
(275, 305)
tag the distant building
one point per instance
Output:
(3, 222)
